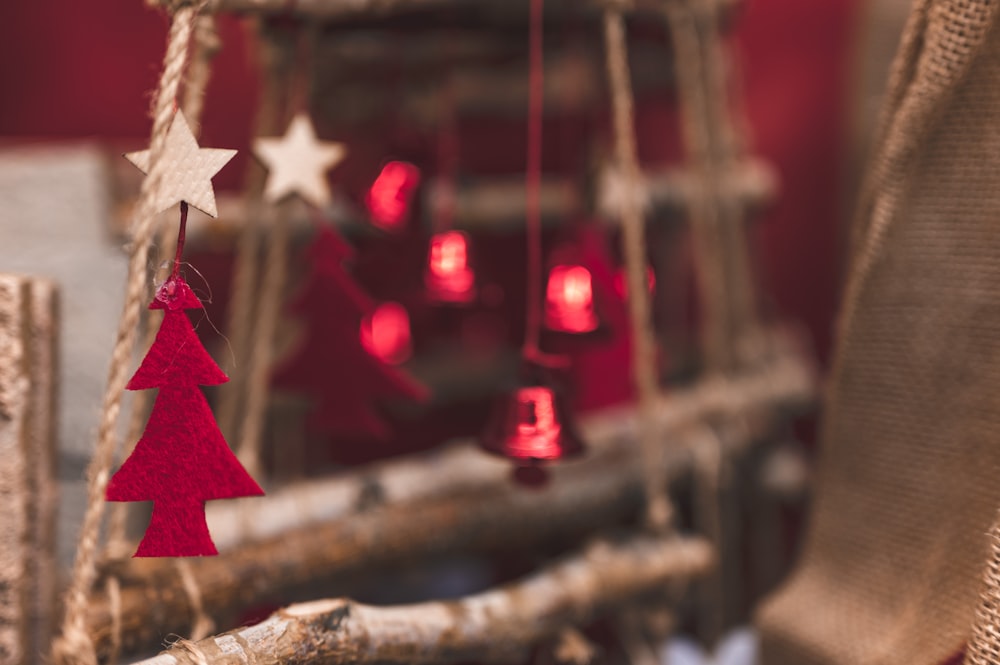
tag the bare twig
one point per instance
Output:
(496, 626)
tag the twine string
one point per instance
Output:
(272, 286)
(729, 330)
(644, 360)
(276, 61)
(75, 646)
(532, 181)
(201, 624)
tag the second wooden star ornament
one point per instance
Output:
(297, 163)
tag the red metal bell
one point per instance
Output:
(388, 199)
(449, 278)
(530, 426)
(569, 300)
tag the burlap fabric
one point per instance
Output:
(910, 470)
(984, 647)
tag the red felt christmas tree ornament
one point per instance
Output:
(182, 459)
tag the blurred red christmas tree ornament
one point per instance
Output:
(332, 362)
(449, 277)
(182, 459)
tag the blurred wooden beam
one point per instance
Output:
(497, 626)
(498, 203)
(750, 185)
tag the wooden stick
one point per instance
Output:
(15, 472)
(28, 326)
(497, 626)
(461, 504)
(42, 340)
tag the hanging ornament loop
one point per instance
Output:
(181, 236)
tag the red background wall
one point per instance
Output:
(70, 71)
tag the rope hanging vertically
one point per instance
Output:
(272, 280)
(533, 183)
(645, 373)
(74, 646)
(277, 59)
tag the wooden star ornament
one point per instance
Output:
(188, 169)
(297, 162)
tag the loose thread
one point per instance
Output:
(644, 362)
(75, 646)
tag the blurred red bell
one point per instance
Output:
(530, 426)
(569, 300)
(388, 199)
(448, 278)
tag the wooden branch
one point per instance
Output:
(43, 337)
(499, 203)
(463, 500)
(27, 474)
(498, 626)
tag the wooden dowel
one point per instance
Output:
(28, 332)
(497, 626)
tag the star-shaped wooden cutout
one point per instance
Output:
(297, 163)
(187, 169)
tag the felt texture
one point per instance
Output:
(330, 363)
(176, 358)
(182, 459)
